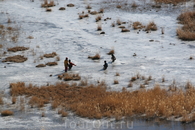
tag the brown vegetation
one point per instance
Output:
(18, 48)
(52, 63)
(48, 10)
(174, 2)
(40, 65)
(125, 30)
(116, 81)
(93, 12)
(70, 5)
(1, 101)
(151, 27)
(62, 8)
(117, 74)
(95, 57)
(137, 25)
(6, 113)
(111, 52)
(155, 102)
(17, 59)
(68, 77)
(48, 4)
(50, 55)
(99, 28)
(88, 7)
(98, 18)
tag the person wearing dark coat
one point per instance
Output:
(105, 65)
(113, 58)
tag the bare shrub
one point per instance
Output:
(52, 63)
(151, 27)
(118, 6)
(30, 37)
(40, 65)
(130, 84)
(88, 7)
(17, 59)
(118, 22)
(70, 5)
(133, 78)
(50, 55)
(62, 8)
(125, 30)
(117, 74)
(95, 57)
(101, 10)
(134, 5)
(116, 81)
(137, 25)
(48, 10)
(68, 77)
(6, 113)
(19, 48)
(98, 18)
(113, 24)
(9, 20)
(185, 35)
(1, 101)
(81, 16)
(14, 100)
(93, 12)
(1, 46)
(57, 58)
(111, 52)
(99, 27)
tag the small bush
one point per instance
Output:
(48, 10)
(88, 7)
(133, 78)
(116, 81)
(62, 8)
(52, 63)
(19, 48)
(6, 113)
(151, 27)
(95, 57)
(98, 18)
(137, 25)
(111, 52)
(70, 5)
(93, 12)
(50, 55)
(125, 30)
(99, 28)
(17, 59)
(40, 65)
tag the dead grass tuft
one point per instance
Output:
(187, 32)
(137, 25)
(30, 37)
(99, 27)
(133, 78)
(95, 57)
(52, 63)
(17, 59)
(70, 5)
(1, 46)
(116, 81)
(40, 65)
(111, 52)
(50, 55)
(18, 48)
(98, 18)
(6, 113)
(68, 77)
(125, 30)
(62, 8)
(118, 22)
(48, 10)
(134, 5)
(1, 101)
(117, 74)
(93, 12)
(88, 7)
(151, 27)
(130, 84)
(101, 10)
(48, 4)
(155, 102)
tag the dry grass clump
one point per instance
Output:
(111, 52)
(99, 27)
(101, 10)
(98, 18)
(52, 63)
(118, 21)
(1, 46)
(70, 5)
(117, 74)
(18, 48)
(118, 6)
(95, 57)
(48, 10)
(116, 81)
(88, 7)
(48, 4)
(62, 8)
(155, 102)
(6, 113)
(30, 37)
(68, 77)
(50, 55)
(17, 59)
(14, 99)
(151, 27)
(40, 65)
(125, 30)
(130, 84)
(137, 25)
(1, 101)
(174, 2)
(187, 32)
(134, 5)
(93, 12)
(133, 78)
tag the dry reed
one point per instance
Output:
(95, 57)
(50, 55)
(17, 59)
(6, 113)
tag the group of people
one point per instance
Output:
(68, 64)
(105, 66)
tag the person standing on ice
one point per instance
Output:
(70, 64)
(66, 64)
(113, 58)
(105, 65)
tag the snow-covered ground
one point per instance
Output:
(64, 33)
